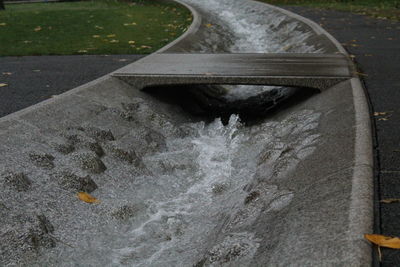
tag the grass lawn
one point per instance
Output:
(90, 27)
(387, 9)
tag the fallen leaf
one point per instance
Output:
(208, 25)
(87, 198)
(7, 73)
(111, 35)
(381, 113)
(390, 200)
(114, 41)
(130, 24)
(383, 241)
(3, 84)
(82, 51)
(98, 27)
(383, 119)
(145, 46)
(27, 42)
(38, 28)
(96, 36)
(3, 24)
(131, 42)
(36, 70)
(360, 74)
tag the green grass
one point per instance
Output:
(90, 27)
(385, 9)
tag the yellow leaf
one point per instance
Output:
(38, 28)
(360, 74)
(114, 41)
(145, 46)
(87, 198)
(130, 24)
(208, 25)
(96, 36)
(380, 113)
(131, 42)
(383, 241)
(3, 24)
(3, 84)
(390, 200)
(111, 35)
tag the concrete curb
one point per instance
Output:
(361, 204)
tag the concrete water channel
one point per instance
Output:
(181, 187)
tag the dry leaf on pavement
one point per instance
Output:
(383, 241)
(390, 200)
(87, 198)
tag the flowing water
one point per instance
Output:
(196, 189)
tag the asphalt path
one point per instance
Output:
(375, 45)
(32, 79)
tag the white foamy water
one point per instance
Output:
(194, 206)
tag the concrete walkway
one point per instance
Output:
(375, 45)
(33, 79)
(318, 71)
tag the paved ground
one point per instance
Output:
(376, 47)
(33, 79)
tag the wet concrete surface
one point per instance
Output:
(32, 79)
(375, 43)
